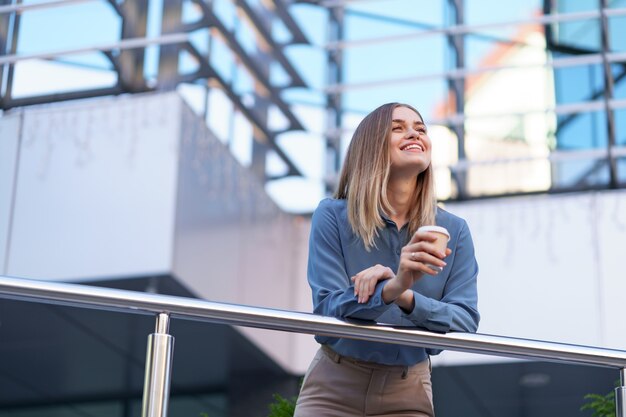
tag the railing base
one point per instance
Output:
(159, 356)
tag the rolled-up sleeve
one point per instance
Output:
(333, 291)
(458, 308)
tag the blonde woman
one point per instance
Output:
(366, 261)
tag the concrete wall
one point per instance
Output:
(138, 186)
(9, 145)
(95, 189)
(551, 267)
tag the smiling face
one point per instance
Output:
(409, 144)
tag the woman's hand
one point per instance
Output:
(366, 280)
(416, 259)
(419, 257)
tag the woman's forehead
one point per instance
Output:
(406, 114)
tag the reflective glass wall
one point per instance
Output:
(522, 97)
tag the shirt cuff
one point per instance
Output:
(422, 310)
(376, 300)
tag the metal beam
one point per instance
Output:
(254, 69)
(334, 102)
(608, 94)
(171, 22)
(134, 25)
(456, 86)
(275, 50)
(298, 36)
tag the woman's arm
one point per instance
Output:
(458, 308)
(333, 291)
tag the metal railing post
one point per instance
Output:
(620, 395)
(159, 355)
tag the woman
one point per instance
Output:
(367, 261)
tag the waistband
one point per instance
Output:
(338, 358)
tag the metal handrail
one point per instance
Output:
(267, 318)
(164, 306)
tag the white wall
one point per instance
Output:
(9, 144)
(551, 267)
(96, 189)
(131, 186)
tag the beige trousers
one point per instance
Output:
(338, 386)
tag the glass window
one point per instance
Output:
(479, 12)
(578, 83)
(582, 131)
(394, 60)
(423, 95)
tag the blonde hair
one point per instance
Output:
(365, 175)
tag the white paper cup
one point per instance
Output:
(442, 240)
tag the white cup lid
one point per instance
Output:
(437, 229)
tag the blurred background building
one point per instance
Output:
(179, 147)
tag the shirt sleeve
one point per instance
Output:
(333, 291)
(458, 308)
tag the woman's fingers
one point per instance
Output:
(427, 247)
(422, 236)
(427, 258)
(366, 280)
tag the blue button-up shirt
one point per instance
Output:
(443, 302)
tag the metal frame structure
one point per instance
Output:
(456, 32)
(160, 343)
(127, 60)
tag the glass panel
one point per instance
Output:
(310, 64)
(508, 177)
(582, 131)
(525, 45)
(508, 153)
(621, 171)
(580, 174)
(619, 81)
(581, 34)
(222, 59)
(444, 156)
(426, 96)
(312, 20)
(392, 60)
(620, 126)
(36, 77)
(617, 4)
(68, 27)
(572, 6)
(479, 12)
(402, 13)
(509, 91)
(617, 31)
(226, 12)
(579, 83)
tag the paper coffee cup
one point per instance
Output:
(442, 240)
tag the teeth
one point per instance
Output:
(412, 146)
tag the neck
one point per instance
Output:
(400, 195)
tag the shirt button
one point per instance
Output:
(398, 251)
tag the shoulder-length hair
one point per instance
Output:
(365, 175)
